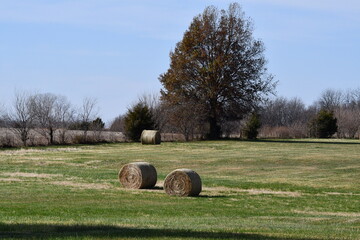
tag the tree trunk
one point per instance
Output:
(51, 136)
(215, 130)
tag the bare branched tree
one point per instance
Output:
(21, 116)
(87, 113)
(186, 118)
(283, 112)
(2, 115)
(331, 99)
(348, 121)
(51, 113)
(43, 109)
(348, 114)
(117, 125)
(65, 115)
(156, 107)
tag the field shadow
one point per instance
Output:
(306, 142)
(44, 231)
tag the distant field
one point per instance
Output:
(300, 189)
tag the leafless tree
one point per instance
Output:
(43, 109)
(232, 128)
(157, 109)
(331, 99)
(282, 112)
(21, 116)
(348, 121)
(352, 98)
(117, 125)
(87, 113)
(283, 117)
(2, 109)
(51, 113)
(2, 115)
(348, 114)
(185, 118)
(65, 115)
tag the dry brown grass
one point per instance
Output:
(30, 175)
(336, 214)
(79, 185)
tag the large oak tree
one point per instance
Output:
(219, 65)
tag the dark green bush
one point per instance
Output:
(324, 125)
(252, 126)
(137, 119)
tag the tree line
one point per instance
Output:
(284, 118)
(334, 114)
(49, 117)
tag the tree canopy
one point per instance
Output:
(218, 65)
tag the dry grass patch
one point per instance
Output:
(78, 185)
(10, 180)
(31, 175)
(220, 190)
(335, 214)
(24, 151)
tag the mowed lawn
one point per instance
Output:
(296, 189)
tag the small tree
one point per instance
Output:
(43, 109)
(87, 113)
(97, 126)
(137, 119)
(252, 126)
(51, 113)
(22, 117)
(65, 115)
(324, 125)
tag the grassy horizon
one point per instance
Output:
(267, 189)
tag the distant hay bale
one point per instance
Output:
(138, 175)
(182, 182)
(150, 137)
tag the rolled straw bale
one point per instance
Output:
(138, 175)
(150, 137)
(182, 182)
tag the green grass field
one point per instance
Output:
(300, 189)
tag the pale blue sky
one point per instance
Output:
(114, 50)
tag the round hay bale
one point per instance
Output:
(182, 182)
(150, 137)
(138, 175)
